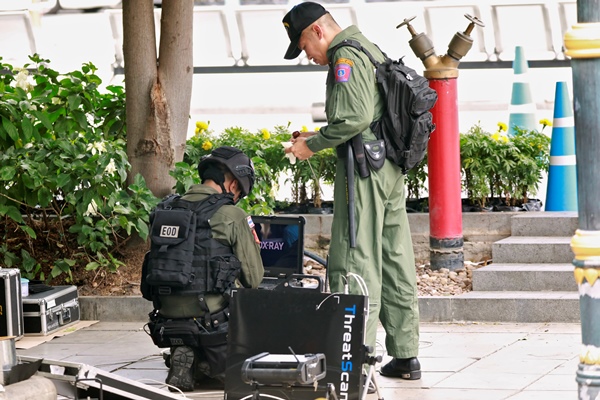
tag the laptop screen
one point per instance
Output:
(281, 244)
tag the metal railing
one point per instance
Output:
(20, 44)
(235, 38)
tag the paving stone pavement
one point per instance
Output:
(460, 361)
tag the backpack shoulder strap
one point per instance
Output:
(209, 206)
(167, 201)
(356, 44)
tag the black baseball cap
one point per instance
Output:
(298, 19)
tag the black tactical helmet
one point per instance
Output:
(235, 161)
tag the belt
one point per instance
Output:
(215, 319)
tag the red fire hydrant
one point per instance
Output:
(443, 159)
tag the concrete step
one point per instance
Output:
(555, 223)
(522, 307)
(524, 277)
(532, 250)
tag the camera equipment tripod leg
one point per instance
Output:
(255, 391)
(370, 361)
(331, 392)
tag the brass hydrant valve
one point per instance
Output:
(445, 66)
(462, 41)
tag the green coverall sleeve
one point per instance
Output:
(247, 250)
(349, 105)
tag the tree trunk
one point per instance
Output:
(158, 91)
(176, 68)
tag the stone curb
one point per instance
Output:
(522, 307)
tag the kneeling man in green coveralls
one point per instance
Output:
(225, 240)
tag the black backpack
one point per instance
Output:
(407, 123)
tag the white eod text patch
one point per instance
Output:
(169, 231)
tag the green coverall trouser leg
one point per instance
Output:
(383, 256)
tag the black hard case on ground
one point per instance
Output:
(49, 311)
(11, 313)
(300, 321)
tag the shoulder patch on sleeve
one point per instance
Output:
(251, 226)
(343, 69)
(344, 61)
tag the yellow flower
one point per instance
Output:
(265, 133)
(502, 127)
(201, 125)
(317, 129)
(304, 129)
(206, 146)
(545, 123)
(496, 136)
(504, 139)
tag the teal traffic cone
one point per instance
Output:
(562, 175)
(522, 108)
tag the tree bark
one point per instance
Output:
(176, 68)
(158, 90)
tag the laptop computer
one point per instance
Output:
(281, 247)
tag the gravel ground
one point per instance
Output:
(429, 282)
(445, 282)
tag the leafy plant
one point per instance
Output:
(312, 174)
(264, 149)
(415, 180)
(534, 157)
(63, 167)
(496, 165)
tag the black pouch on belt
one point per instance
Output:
(359, 156)
(213, 345)
(375, 151)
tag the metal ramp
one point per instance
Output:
(82, 381)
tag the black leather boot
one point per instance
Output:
(405, 368)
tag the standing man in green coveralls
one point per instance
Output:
(383, 255)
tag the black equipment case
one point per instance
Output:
(294, 324)
(49, 311)
(11, 313)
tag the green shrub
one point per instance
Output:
(415, 180)
(495, 165)
(63, 167)
(266, 150)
